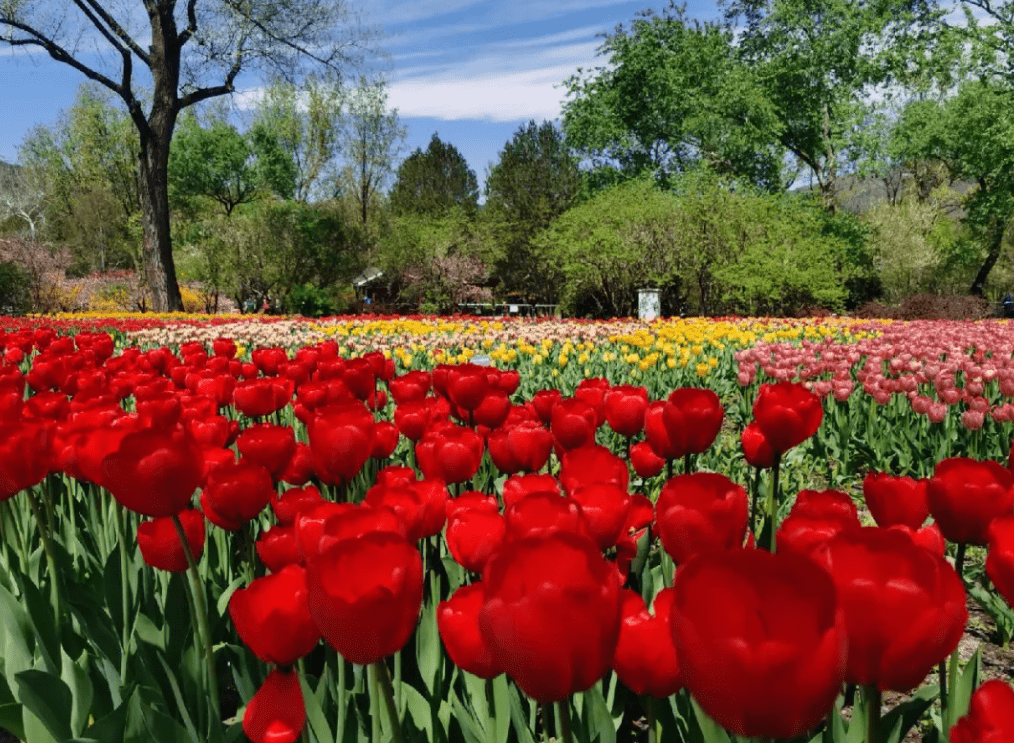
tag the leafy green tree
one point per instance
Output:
(306, 122)
(371, 140)
(193, 52)
(435, 181)
(710, 244)
(87, 162)
(973, 135)
(268, 248)
(674, 94)
(534, 181)
(231, 168)
(819, 62)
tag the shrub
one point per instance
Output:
(309, 301)
(15, 289)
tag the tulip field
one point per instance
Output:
(465, 530)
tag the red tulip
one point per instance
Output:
(904, 606)
(604, 506)
(160, 545)
(552, 614)
(236, 493)
(267, 444)
(473, 534)
(259, 397)
(990, 717)
(928, 537)
(896, 500)
(592, 464)
(458, 624)
(645, 658)
(352, 524)
(385, 440)
(787, 414)
(644, 461)
(593, 392)
(815, 518)
(410, 387)
(760, 640)
(624, 407)
(700, 513)
(573, 423)
(543, 513)
(24, 456)
(693, 418)
(1000, 556)
(525, 446)
(365, 595)
(657, 435)
(544, 401)
(517, 487)
(966, 495)
(450, 453)
(299, 469)
(268, 360)
(405, 502)
(467, 385)
(276, 714)
(293, 501)
(341, 440)
(272, 617)
(493, 410)
(756, 449)
(277, 548)
(154, 473)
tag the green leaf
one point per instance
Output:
(223, 600)
(519, 716)
(19, 636)
(601, 724)
(75, 675)
(145, 724)
(909, 712)
(109, 728)
(47, 697)
(315, 718)
(968, 680)
(712, 731)
(501, 707)
(146, 631)
(40, 612)
(427, 638)
(470, 727)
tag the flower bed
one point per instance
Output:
(464, 529)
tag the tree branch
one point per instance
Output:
(191, 28)
(238, 8)
(58, 53)
(114, 26)
(202, 94)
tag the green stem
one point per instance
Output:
(547, 716)
(773, 501)
(491, 707)
(47, 545)
(124, 589)
(686, 463)
(649, 704)
(564, 709)
(384, 677)
(942, 668)
(397, 681)
(871, 694)
(203, 629)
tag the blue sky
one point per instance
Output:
(473, 71)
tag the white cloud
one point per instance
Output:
(490, 97)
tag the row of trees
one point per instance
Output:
(678, 164)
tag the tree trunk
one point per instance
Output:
(160, 270)
(995, 242)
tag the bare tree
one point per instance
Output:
(23, 197)
(194, 50)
